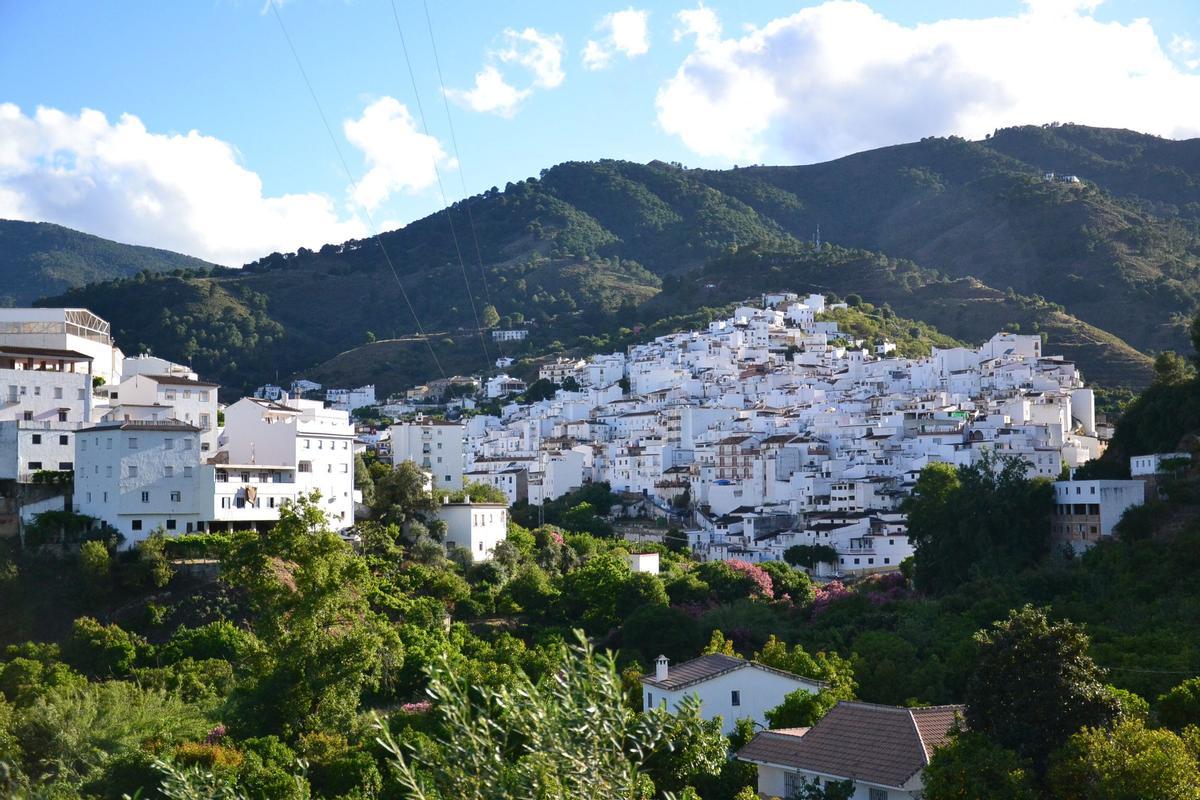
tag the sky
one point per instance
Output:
(190, 124)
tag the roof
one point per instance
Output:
(162, 426)
(44, 352)
(884, 745)
(707, 667)
(175, 380)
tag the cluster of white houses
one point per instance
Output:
(773, 428)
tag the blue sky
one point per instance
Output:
(777, 82)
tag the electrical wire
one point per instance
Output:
(354, 184)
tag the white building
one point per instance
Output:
(510, 335)
(883, 750)
(436, 446)
(46, 396)
(503, 384)
(138, 476)
(644, 562)
(474, 526)
(727, 687)
(1086, 511)
(1152, 463)
(75, 330)
(350, 399)
(192, 401)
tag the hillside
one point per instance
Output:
(973, 239)
(38, 258)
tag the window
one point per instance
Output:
(305, 466)
(83, 444)
(203, 396)
(735, 698)
(145, 497)
(170, 524)
(793, 784)
(176, 497)
(66, 466)
(63, 439)
(37, 438)
(169, 471)
(877, 794)
(649, 699)
(136, 524)
(89, 497)
(133, 443)
(27, 416)
(108, 471)
(187, 472)
(62, 415)
(131, 471)
(35, 465)
(58, 393)
(187, 443)
(168, 443)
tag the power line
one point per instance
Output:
(454, 143)
(441, 189)
(354, 184)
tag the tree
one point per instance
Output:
(570, 384)
(323, 645)
(972, 765)
(489, 317)
(568, 735)
(1127, 762)
(1034, 685)
(1171, 369)
(100, 651)
(809, 555)
(982, 519)
(541, 389)
(154, 568)
(400, 495)
(803, 707)
(95, 567)
(363, 480)
(1180, 707)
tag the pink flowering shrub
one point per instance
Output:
(824, 596)
(763, 586)
(421, 707)
(885, 588)
(215, 735)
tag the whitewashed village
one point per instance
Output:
(768, 431)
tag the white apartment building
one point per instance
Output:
(74, 330)
(1152, 464)
(350, 399)
(193, 401)
(304, 436)
(510, 335)
(1086, 511)
(139, 476)
(45, 396)
(474, 526)
(435, 446)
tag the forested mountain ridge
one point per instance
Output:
(38, 258)
(1108, 269)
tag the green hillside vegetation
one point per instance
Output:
(38, 259)
(965, 236)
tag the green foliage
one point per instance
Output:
(153, 568)
(1127, 762)
(982, 519)
(478, 492)
(95, 567)
(1171, 369)
(973, 766)
(809, 555)
(568, 735)
(400, 495)
(1034, 684)
(100, 651)
(1180, 707)
(323, 645)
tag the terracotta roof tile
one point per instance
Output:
(884, 745)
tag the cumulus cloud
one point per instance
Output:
(624, 32)
(840, 77)
(539, 54)
(185, 192)
(399, 157)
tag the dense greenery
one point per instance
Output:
(38, 258)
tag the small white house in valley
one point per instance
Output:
(883, 750)
(726, 686)
(644, 562)
(477, 527)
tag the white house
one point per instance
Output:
(728, 687)
(503, 384)
(350, 399)
(1150, 464)
(139, 475)
(883, 750)
(644, 562)
(434, 445)
(474, 526)
(193, 401)
(1086, 511)
(73, 329)
(509, 335)
(46, 396)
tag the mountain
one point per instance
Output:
(38, 258)
(966, 236)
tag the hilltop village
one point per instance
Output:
(769, 430)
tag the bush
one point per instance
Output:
(99, 651)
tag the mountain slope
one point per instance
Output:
(973, 237)
(38, 258)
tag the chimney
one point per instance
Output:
(660, 668)
(467, 499)
(445, 499)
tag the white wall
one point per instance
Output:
(760, 690)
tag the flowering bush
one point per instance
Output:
(763, 586)
(215, 735)
(824, 596)
(885, 588)
(421, 707)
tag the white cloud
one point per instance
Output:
(185, 192)
(490, 93)
(624, 32)
(839, 77)
(398, 156)
(541, 54)
(1184, 48)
